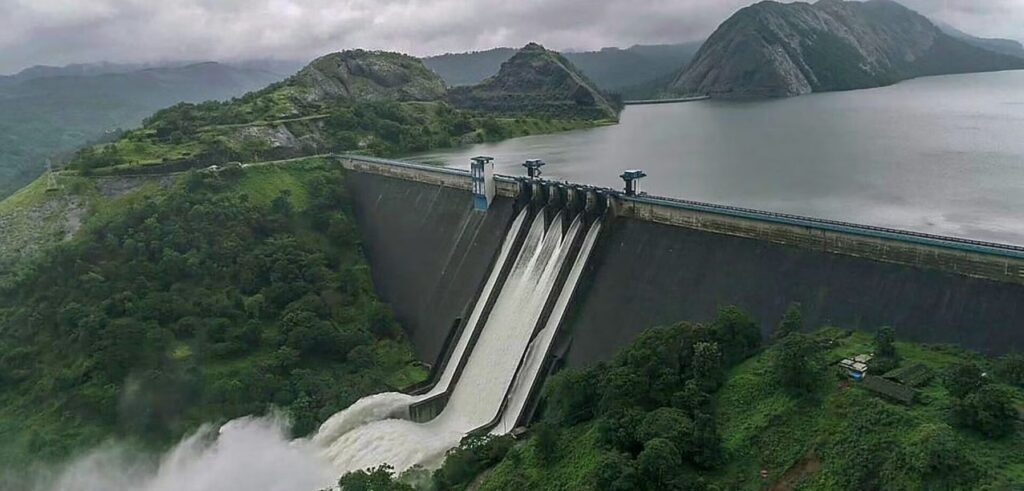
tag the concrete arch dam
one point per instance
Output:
(494, 358)
(561, 274)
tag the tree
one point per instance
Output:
(546, 442)
(473, 455)
(795, 363)
(1010, 369)
(615, 471)
(706, 446)
(885, 343)
(963, 379)
(931, 456)
(379, 479)
(792, 321)
(707, 365)
(571, 396)
(886, 357)
(989, 410)
(659, 463)
(670, 424)
(282, 205)
(736, 333)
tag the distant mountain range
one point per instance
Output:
(774, 50)
(612, 69)
(375, 102)
(1004, 46)
(48, 110)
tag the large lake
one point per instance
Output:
(942, 155)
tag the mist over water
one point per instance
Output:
(256, 454)
(250, 454)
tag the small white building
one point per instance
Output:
(855, 369)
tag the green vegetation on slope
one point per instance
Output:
(652, 418)
(226, 295)
(187, 135)
(50, 115)
(384, 104)
(536, 81)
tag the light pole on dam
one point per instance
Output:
(632, 179)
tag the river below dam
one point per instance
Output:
(941, 155)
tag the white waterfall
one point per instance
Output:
(373, 431)
(499, 372)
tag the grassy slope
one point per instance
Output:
(36, 218)
(30, 430)
(764, 428)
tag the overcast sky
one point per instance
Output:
(58, 32)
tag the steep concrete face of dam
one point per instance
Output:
(552, 268)
(428, 250)
(647, 274)
(377, 429)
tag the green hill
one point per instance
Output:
(537, 81)
(186, 300)
(355, 101)
(48, 112)
(678, 409)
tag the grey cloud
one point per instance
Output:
(69, 31)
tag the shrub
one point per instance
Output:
(796, 364)
(1010, 369)
(659, 463)
(792, 321)
(988, 410)
(964, 379)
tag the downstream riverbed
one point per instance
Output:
(942, 155)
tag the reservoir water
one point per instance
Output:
(942, 155)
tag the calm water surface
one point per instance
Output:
(942, 155)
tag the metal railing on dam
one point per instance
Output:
(999, 262)
(837, 226)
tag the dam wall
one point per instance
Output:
(664, 260)
(995, 262)
(647, 273)
(428, 250)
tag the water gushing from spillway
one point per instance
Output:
(373, 431)
(498, 374)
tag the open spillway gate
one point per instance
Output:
(501, 348)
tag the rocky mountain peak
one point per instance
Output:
(536, 80)
(369, 75)
(772, 49)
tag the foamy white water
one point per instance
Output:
(255, 454)
(474, 319)
(477, 397)
(538, 350)
(247, 454)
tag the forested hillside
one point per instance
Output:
(47, 111)
(356, 101)
(221, 296)
(708, 407)
(538, 82)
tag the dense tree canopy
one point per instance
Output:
(194, 306)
